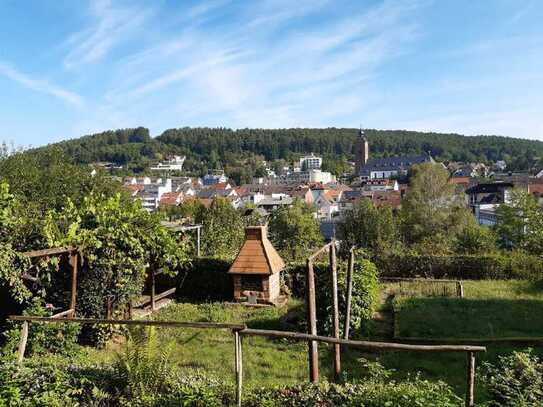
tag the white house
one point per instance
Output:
(173, 164)
(326, 207)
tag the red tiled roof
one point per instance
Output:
(391, 198)
(134, 188)
(171, 198)
(459, 180)
(535, 188)
(220, 186)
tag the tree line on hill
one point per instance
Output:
(212, 148)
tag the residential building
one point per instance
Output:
(484, 198)
(310, 162)
(309, 176)
(171, 199)
(326, 206)
(174, 163)
(214, 178)
(271, 203)
(382, 184)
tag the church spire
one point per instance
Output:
(362, 134)
(362, 151)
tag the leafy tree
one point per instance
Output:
(295, 231)
(475, 239)
(12, 263)
(222, 147)
(369, 227)
(431, 210)
(44, 179)
(520, 223)
(223, 229)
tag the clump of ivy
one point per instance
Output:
(12, 263)
(119, 242)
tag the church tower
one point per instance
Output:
(362, 151)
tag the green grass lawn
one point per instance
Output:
(490, 309)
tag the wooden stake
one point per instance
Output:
(239, 366)
(460, 289)
(22, 343)
(337, 347)
(312, 322)
(350, 271)
(198, 241)
(470, 391)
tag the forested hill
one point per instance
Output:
(214, 146)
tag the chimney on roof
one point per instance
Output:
(256, 232)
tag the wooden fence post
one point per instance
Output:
(198, 241)
(470, 391)
(347, 325)
(22, 343)
(337, 347)
(312, 320)
(239, 366)
(460, 289)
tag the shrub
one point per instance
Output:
(517, 380)
(371, 393)
(148, 378)
(514, 265)
(206, 279)
(43, 338)
(46, 381)
(145, 379)
(365, 295)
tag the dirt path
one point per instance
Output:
(383, 319)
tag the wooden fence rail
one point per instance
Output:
(241, 330)
(458, 283)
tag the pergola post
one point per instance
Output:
(73, 297)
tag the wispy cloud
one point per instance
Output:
(249, 76)
(40, 85)
(109, 26)
(204, 7)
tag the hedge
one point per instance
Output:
(513, 265)
(206, 279)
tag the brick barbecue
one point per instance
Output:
(256, 270)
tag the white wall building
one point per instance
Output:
(310, 162)
(152, 193)
(173, 164)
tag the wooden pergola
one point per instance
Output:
(178, 227)
(46, 254)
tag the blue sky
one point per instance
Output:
(69, 68)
